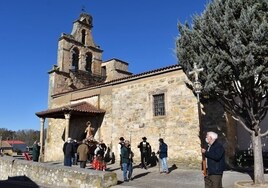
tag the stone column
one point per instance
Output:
(42, 123)
(67, 125)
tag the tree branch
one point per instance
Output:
(243, 124)
(264, 134)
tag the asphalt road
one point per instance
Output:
(177, 178)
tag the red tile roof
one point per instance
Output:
(129, 78)
(77, 108)
(13, 142)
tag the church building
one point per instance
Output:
(155, 104)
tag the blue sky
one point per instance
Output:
(140, 32)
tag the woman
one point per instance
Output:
(36, 151)
(99, 163)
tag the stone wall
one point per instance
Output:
(55, 175)
(179, 127)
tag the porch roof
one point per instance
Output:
(81, 108)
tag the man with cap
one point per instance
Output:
(145, 150)
(68, 151)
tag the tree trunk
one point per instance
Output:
(258, 159)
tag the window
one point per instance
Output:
(83, 37)
(75, 59)
(159, 105)
(103, 71)
(88, 62)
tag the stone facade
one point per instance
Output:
(129, 113)
(128, 101)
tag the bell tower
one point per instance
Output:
(78, 51)
(79, 59)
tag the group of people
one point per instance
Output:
(95, 152)
(88, 150)
(148, 158)
(214, 154)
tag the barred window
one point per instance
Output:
(159, 105)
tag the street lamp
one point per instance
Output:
(197, 86)
(197, 89)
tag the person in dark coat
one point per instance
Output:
(163, 154)
(82, 152)
(68, 151)
(36, 151)
(145, 149)
(130, 165)
(153, 160)
(126, 158)
(215, 155)
(120, 145)
(75, 146)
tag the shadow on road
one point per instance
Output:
(140, 175)
(173, 167)
(18, 182)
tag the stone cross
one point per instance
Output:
(196, 72)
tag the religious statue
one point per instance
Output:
(90, 131)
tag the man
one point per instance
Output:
(120, 145)
(126, 158)
(68, 151)
(36, 151)
(215, 161)
(75, 146)
(163, 153)
(82, 152)
(145, 149)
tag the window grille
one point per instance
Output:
(159, 105)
